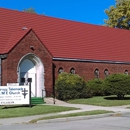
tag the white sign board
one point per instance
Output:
(12, 84)
(10, 95)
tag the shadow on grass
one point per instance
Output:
(116, 98)
(17, 106)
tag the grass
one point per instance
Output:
(19, 111)
(102, 101)
(86, 113)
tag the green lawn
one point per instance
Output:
(86, 113)
(18, 111)
(102, 101)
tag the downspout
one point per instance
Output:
(53, 74)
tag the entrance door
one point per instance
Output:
(30, 66)
(27, 70)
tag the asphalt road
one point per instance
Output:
(106, 123)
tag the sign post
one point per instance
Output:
(30, 80)
(30, 105)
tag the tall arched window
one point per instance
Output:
(106, 73)
(60, 70)
(72, 71)
(126, 72)
(96, 73)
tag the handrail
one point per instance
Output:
(50, 93)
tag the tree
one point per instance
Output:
(30, 10)
(119, 15)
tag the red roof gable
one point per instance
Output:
(14, 39)
(66, 39)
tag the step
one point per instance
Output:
(37, 100)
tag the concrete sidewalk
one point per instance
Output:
(21, 120)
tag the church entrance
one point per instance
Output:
(28, 70)
(31, 67)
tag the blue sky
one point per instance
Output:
(88, 11)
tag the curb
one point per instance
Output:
(66, 119)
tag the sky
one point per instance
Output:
(88, 11)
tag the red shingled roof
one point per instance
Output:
(14, 38)
(65, 39)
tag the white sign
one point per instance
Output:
(12, 84)
(10, 95)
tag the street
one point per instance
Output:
(106, 123)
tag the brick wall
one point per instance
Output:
(9, 65)
(86, 69)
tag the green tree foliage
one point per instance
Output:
(117, 84)
(71, 86)
(30, 10)
(119, 15)
(96, 87)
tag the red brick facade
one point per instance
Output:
(9, 65)
(86, 69)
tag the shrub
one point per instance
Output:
(70, 86)
(96, 86)
(117, 84)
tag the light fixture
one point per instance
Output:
(32, 47)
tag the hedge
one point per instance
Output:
(71, 86)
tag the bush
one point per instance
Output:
(96, 86)
(69, 86)
(117, 84)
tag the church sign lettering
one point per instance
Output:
(10, 95)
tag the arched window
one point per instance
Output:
(60, 70)
(126, 72)
(106, 73)
(72, 71)
(96, 73)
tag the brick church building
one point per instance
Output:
(40, 47)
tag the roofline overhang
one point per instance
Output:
(3, 56)
(87, 60)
